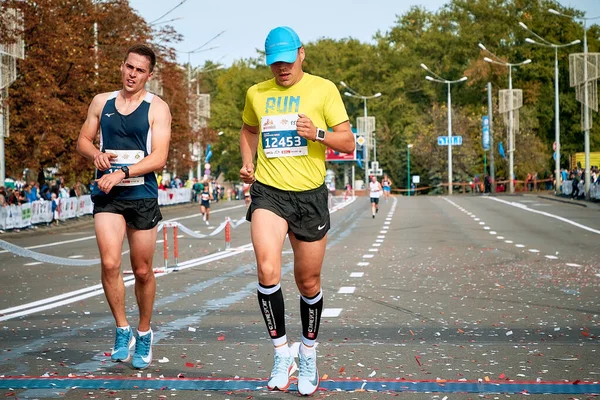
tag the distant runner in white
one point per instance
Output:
(375, 191)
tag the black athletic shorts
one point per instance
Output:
(306, 213)
(139, 214)
(375, 200)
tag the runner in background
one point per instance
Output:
(205, 198)
(375, 191)
(387, 186)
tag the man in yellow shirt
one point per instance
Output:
(285, 123)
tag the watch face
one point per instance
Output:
(320, 134)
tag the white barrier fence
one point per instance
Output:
(40, 212)
(567, 189)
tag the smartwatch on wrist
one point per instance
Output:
(320, 135)
(125, 171)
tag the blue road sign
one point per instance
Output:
(443, 140)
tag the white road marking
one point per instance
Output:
(573, 265)
(33, 263)
(534, 250)
(363, 264)
(492, 232)
(347, 290)
(552, 257)
(331, 312)
(373, 250)
(525, 208)
(368, 256)
(357, 274)
(508, 241)
(520, 245)
(500, 238)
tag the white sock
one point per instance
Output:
(306, 350)
(283, 350)
(127, 328)
(140, 333)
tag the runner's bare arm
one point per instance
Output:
(248, 147)
(160, 124)
(89, 130)
(341, 139)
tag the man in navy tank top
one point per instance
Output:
(135, 130)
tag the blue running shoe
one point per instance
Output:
(124, 342)
(283, 368)
(143, 351)
(308, 376)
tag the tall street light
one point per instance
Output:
(408, 173)
(196, 79)
(586, 111)
(511, 138)
(439, 79)
(353, 93)
(546, 43)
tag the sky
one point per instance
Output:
(247, 23)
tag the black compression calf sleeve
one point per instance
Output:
(270, 300)
(310, 313)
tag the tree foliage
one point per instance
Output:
(62, 72)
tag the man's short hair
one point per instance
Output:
(142, 50)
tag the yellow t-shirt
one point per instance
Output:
(285, 160)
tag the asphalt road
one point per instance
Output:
(437, 297)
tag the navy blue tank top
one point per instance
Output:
(130, 137)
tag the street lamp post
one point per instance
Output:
(196, 80)
(439, 79)
(355, 94)
(586, 111)
(511, 138)
(408, 169)
(545, 43)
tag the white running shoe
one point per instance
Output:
(308, 377)
(283, 368)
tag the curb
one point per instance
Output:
(566, 201)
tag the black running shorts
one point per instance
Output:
(375, 200)
(139, 214)
(306, 213)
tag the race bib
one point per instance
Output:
(280, 137)
(126, 158)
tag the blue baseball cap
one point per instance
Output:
(282, 44)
